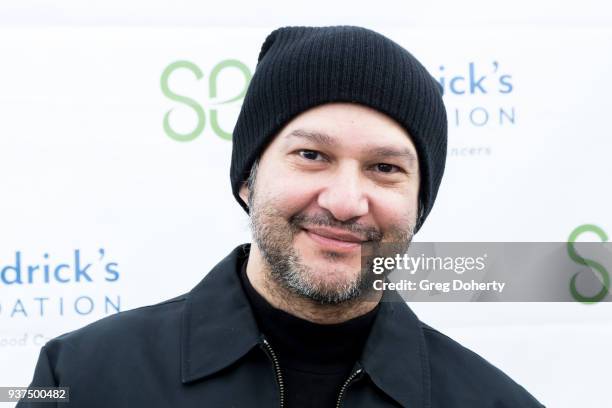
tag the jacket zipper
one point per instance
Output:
(277, 370)
(281, 384)
(346, 385)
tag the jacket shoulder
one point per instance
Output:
(468, 376)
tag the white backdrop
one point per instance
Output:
(89, 175)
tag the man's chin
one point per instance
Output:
(326, 280)
(331, 268)
(327, 295)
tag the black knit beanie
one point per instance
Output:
(301, 67)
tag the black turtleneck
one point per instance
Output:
(315, 359)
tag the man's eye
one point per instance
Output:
(386, 168)
(309, 154)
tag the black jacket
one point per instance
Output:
(203, 349)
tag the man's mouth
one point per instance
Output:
(335, 239)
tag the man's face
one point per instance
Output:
(334, 177)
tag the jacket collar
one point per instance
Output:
(218, 328)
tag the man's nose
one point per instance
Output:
(345, 196)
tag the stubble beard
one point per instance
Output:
(274, 236)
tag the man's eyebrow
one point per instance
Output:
(385, 152)
(314, 136)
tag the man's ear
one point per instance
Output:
(244, 193)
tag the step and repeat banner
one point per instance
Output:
(115, 148)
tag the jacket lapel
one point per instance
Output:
(218, 326)
(395, 356)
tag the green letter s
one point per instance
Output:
(597, 267)
(182, 137)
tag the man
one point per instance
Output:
(340, 143)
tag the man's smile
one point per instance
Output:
(334, 239)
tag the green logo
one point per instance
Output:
(595, 266)
(194, 105)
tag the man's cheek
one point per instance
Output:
(293, 202)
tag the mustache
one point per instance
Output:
(299, 221)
